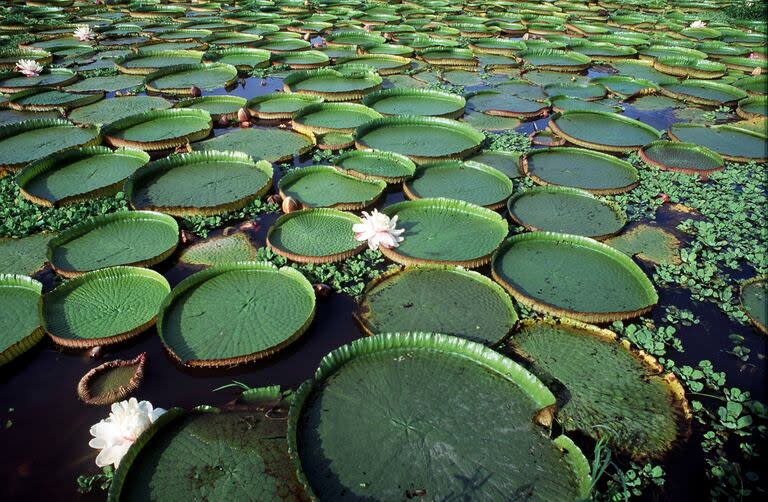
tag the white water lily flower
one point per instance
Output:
(84, 33)
(698, 24)
(115, 434)
(29, 67)
(379, 230)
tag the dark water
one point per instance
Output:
(44, 446)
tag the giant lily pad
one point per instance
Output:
(113, 109)
(145, 61)
(572, 276)
(425, 102)
(261, 143)
(423, 139)
(704, 92)
(280, 105)
(333, 85)
(594, 172)
(609, 132)
(32, 140)
(159, 129)
(20, 326)
(566, 210)
(555, 60)
(315, 236)
(77, 175)
(24, 256)
(179, 80)
(386, 166)
(239, 455)
(103, 307)
(407, 299)
(218, 250)
(324, 186)
(321, 118)
(682, 157)
(476, 385)
(468, 181)
(754, 301)
(199, 183)
(506, 105)
(43, 99)
(140, 238)
(11, 82)
(506, 162)
(732, 143)
(218, 106)
(242, 58)
(235, 313)
(445, 231)
(610, 389)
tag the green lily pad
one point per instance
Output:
(242, 58)
(219, 250)
(754, 301)
(146, 61)
(78, 175)
(139, 238)
(280, 105)
(649, 243)
(387, 166)
(445, 231)
(31, 140)
(43, 99)
(499, 103)
(475, 386)
(566, 210)
(332, 85)
(103, 307)
(258, 308)
(704, 92)
(325, 186)
(681, 157)
(423, 139)
(261, 143)
(113, 109)
(218, 106)
(407, 299)
(12, 81)
(199, 183)
(732, 143)
(179, 80)
(106, 84)
(608, 132)
(424, 102)
(506, 162)
(468, 181)
(24, 256)
(322, 118)
(610, 390)
(556, 60)
(315, 236)
(159, 129)
(112, 381)
(572, 276)
(20, 323)
(592, 171)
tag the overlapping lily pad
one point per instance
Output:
(732, 143)
(407, 300)
(682, 157)
(321, 118)
(139, 238)
(77, 175)
(476, 386)
(445, 231)
(315, 236)
(468, 181)
(595, 172)
(610, 389)
(261, 143)
(20, 326)
(425, 102)
(103, 307)
(572, 276)
(179, 80)
(114, 109)
(280, 105)
(199, 183)
(159, 129)
(325, 186)
(423, 139)
(387, 166)
(235, 313)
(333, 85)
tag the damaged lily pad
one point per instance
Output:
(112, 381)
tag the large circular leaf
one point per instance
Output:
(609, 132)
(179, 80)
(218, 106)
(148, 61)
(426, 427)
(572, 276)
(471, 306)
(140, 238)
(261, 143)
(566, 210)
(315, 236)
(159, 129)
(199, 183)
(682, 157)
(423, 139)
(24, 256)
(733, 143)
(609, 389)
(280, 105)
(32, 140)
(324, 186)
(321, 118)
(113, 109)
(332, 85)
(387, 166)
(235, 313)
(20, 323)
(103, 307)
(445, 231)
(594, 172)
(704, 92)
(468, 181)
(78, 175)
(405, 101)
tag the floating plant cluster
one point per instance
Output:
(490, 151)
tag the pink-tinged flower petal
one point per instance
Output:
(115, 434)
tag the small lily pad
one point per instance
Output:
(112, 381)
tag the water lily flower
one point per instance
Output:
(84, 33)
(115, 434)
(379, 230)
(757, 71)
(698, 24)
(29, 67)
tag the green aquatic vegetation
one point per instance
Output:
(202, 225)
(102, 480)
(508, 141)
(19, 217)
